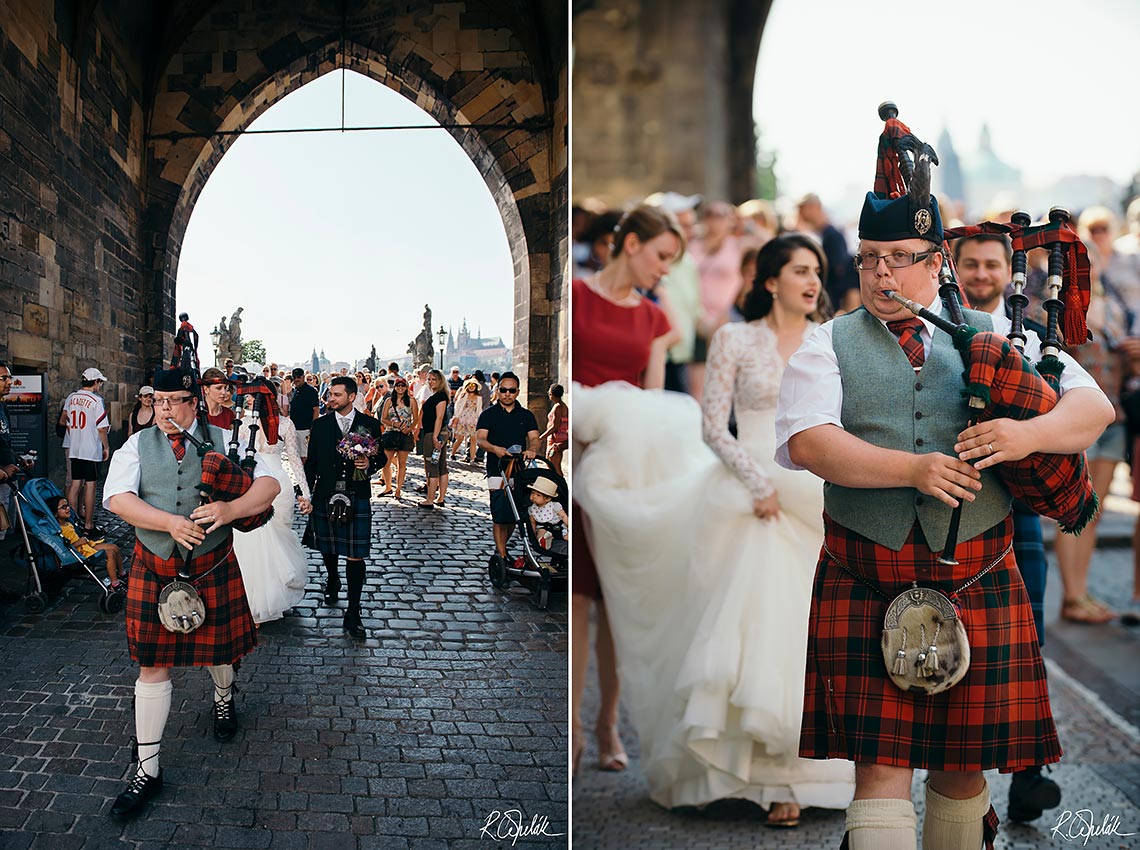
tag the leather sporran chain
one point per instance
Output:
(925, 646)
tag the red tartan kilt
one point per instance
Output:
(998, 716)
(227, 634)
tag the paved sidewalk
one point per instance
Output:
(1094, 685)
(453, 710)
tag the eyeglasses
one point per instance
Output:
(5, 377)
(895, 260)
(508, 389)
(172, 402)
(397, 386)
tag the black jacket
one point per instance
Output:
(325, 465)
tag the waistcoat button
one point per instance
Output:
(918, 414)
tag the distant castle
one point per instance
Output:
(476, 352)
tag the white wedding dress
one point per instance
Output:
(708, 604)
(273, 565)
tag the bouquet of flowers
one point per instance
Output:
(354, 445)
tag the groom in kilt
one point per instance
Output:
(341, 521)
(153, 484)
(872, 404)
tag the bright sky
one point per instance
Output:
(1054, 80)
(337, 240)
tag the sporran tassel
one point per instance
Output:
(920, 660)
(900, 658)
(930, 666)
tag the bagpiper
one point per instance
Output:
(186, 604)
(916, 659)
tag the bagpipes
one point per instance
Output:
(224, 480)
(999, 381)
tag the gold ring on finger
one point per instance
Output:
(991, 448)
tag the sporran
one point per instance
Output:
(924, 642)
(925, 646)
(180, 608)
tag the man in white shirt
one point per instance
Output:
(871, 404)
(85, 417)
(422, 390)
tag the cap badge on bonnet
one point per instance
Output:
(187, 381)
(922, 221)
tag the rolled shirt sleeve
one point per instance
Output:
(811, 392)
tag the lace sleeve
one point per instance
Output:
(720, 378)
(291, 456)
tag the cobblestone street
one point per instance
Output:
(448, 717)
(1094, 685)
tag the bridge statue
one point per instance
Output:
(420, 348)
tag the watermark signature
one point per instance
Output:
(509, 825)
(1082, 825)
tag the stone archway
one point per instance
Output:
(112, 111)
(365, 62)
(503, 120)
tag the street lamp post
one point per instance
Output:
(215, 340)
(442, 336)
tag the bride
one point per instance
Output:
(273, 564)
(709, 560)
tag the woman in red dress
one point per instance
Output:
(619, 335)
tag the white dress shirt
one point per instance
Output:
(811, 392)
(123, 473)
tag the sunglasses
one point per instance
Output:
(400, 384)
(508, 389)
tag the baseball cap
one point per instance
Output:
(146, 390)
(93, 374)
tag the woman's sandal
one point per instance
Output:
(788, 820)
(611, 761)
(1087, 611)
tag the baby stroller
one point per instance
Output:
(46, 550)
(541, 569)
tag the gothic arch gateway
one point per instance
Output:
(122, 110)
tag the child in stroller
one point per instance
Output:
(40, 518)
(548, 518)
(85, 547)
(541, 569)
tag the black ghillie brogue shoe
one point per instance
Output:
(140, 789)
(353, 626)
(1030, 794)
(225, 718)
(332, 592)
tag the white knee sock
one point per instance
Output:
(882, 825)
(152, 706)
(954, 824)
(223, 676)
